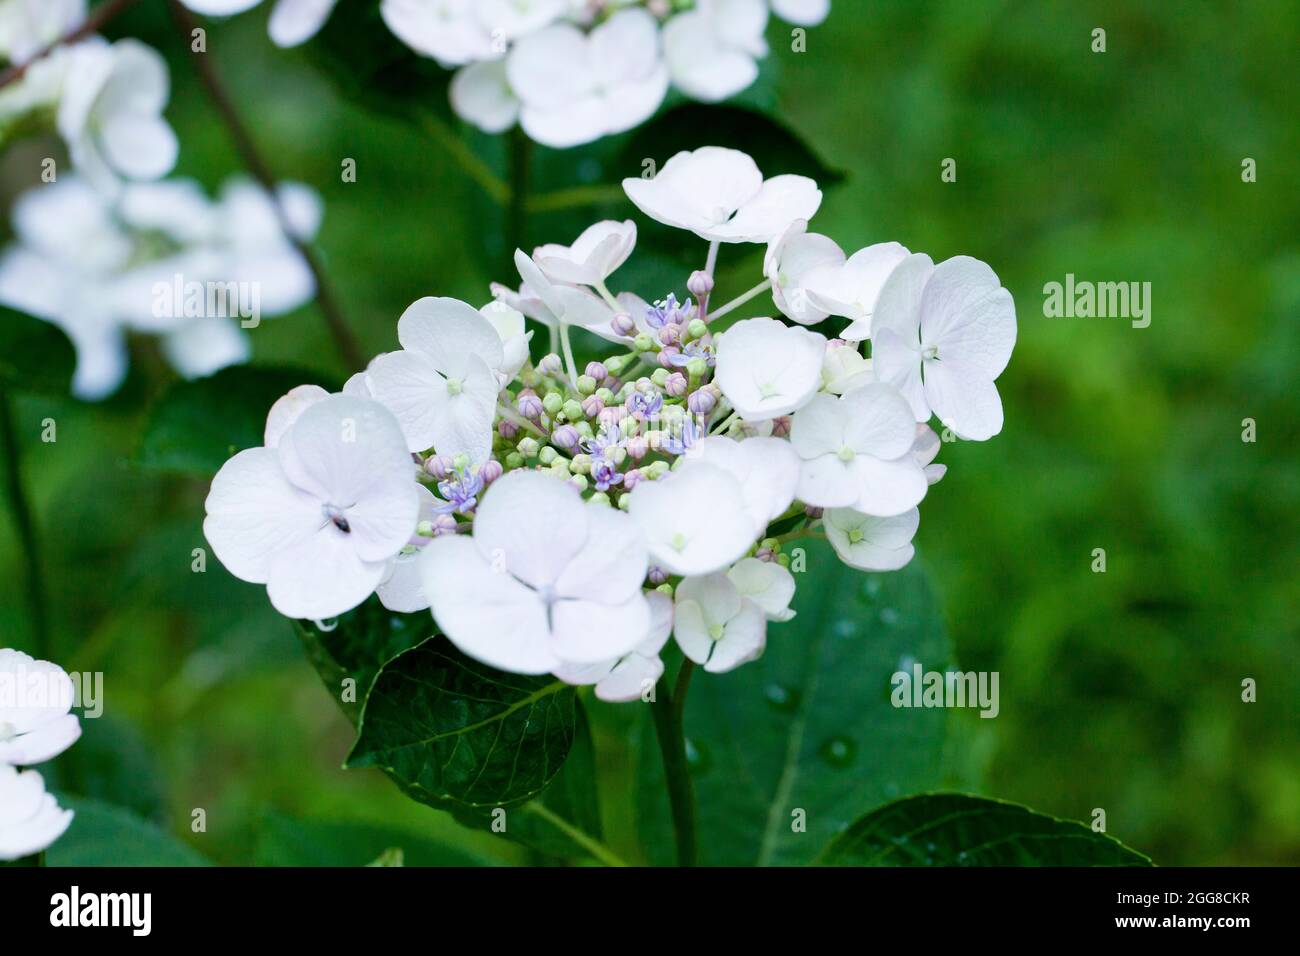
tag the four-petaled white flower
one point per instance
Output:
(852, 287)
(715, 625)
(546, 580)
(869, 543)
(30, 818)
(36, 698)
(694, 519)
(712, 49)
(767, 368)
(857, 452)
(629, 677)
(443, 384)
(592, 258)
(791, 258)
(318, 517)
(767, 584)
(578, 87)
(720, 195)
(942, 335)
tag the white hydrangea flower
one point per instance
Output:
(720, 195)
(851, 287)
(806, 13)
(293, 22)
(480, 93)
(318, 517)
(593, 257)
(791, 258)
(712, 50)
(443, 384)
(767, 584)
(693, 519)
(715, 625)
(857, 452)
(926, 450)
(110, 113)
(30, 818)
(869, 543)
(509, 323)
(544, 581)
(577, 87)
(765, 469)
(627, 678)
(845, 369)
(36, 698)
(562, 304)
(27, 27)
(943, 334)
(767, 368)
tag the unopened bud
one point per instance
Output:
(622, 324)
(553, 402)
(529, 405)
(438, 466)
(592, 406)
(507, 429)
(599, 498)
(491, 471)
(670, 334)
(656, 575)
(565, 438)
(658, 378)
(697, 329)
(700, 284)
(579, 482)
(696, 367)
(597, 371)
(701, 401)
(586, 384)
(572, 410)
(617, 454)
(676, 384)
(638, 446)
(547, 455)
(644, 343)
(581, 464)
(514, 460)
(528, 446)
(781, 426)
(616, 363)
(551, 364)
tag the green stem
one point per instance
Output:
(455, 147)
(576, 197)
(30, 558)
(677, 775)
(683, 685)
(608, 297)
(593, 846)
(741, 299)
(511, 415)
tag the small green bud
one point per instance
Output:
(586, 384)
(581, 464)
(697, 329)
(616, 363)
(547, 455)
(696, 367)
(579, 482)
(584, 430)
(769, 544)
(665, 588)
(514, 460)
(573, 410)
(600, 498)
(528, 447)
(657, 469)
(617, 454)
(561, 467)
(460, 462)
(624, 502)
(629, 426)
(643, 343)
(553, 402)
(660, 376)
(783, 560)
(424, 529)
(605, 395)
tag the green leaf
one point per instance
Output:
(111, 763)
(457, 734)
(808, 727)
(356, 645)
(104, 835)
(954, 829)
(196, 426)
(289, 841)
(34, 355)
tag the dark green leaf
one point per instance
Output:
(105, 835)
(954, 829)
(287, 841)
(34, 355)
(196, 426)
(457, 734)
(111, 763)
(356, 645)
(809, 727)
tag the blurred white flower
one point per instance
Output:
(577, 87)
(30, 818)
(29, 26)
(869, 543)
(766, 368)
(720, 195)
(449, 31)
(480, 93)
(857, 452)
(319, 517)
(713, 49)
(36, 699)
(293, 22)
(715, 625)
(807, 13)
(942, 335)
(545, 581)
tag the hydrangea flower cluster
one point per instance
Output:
(36, 725)
(567, 518)
(159, 258)
(569, 71)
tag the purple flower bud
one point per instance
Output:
(443, 524)
(438, 466)
(550, 364)
(667, 356)
(633, 478)
(700, 284)
(670, 334)
(507, 429)
(781, 426)
(596, 371)
(491, 471)
(637, 447)
(565, 438)
(676, 384)
(592, 406)
(656, 575)
(765, 554)
(622, 324)
(812, 512)
(529, 405)
(611, 415)
(701, 402)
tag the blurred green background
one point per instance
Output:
(1119, 690)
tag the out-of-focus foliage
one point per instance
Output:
(1119, 691)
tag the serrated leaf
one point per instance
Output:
(954, 829)
(34, 355)
(457, 734)
(807, 733)
(197, 425)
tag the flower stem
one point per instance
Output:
(683, 685)
(475, 168)
(677, 775)
(513, 416)
(570, 366)
(26, 527)
(742, 299)
(711, 260)
(608, 297)
(589, 843)
(203, 63)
